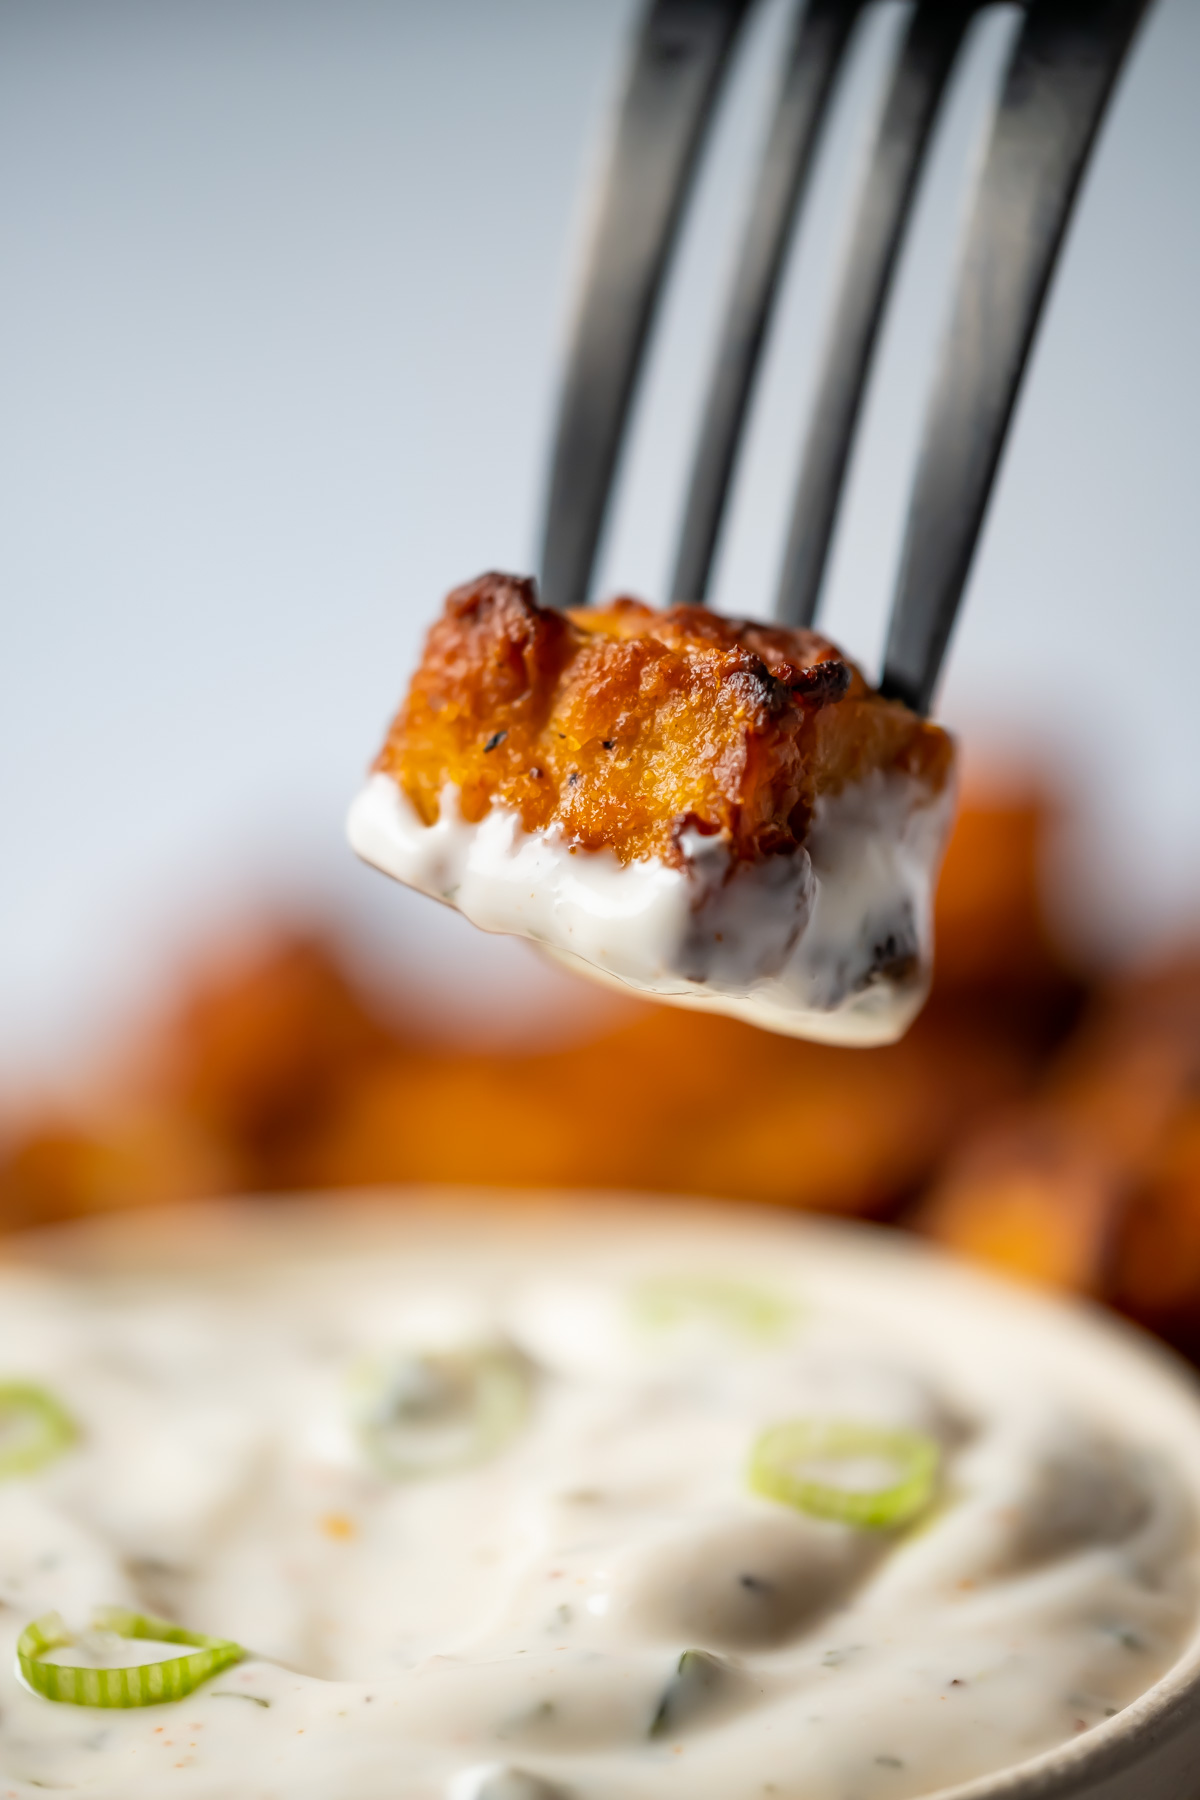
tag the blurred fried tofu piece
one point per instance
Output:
(995, 950)
(100, 1160)
(1051, 1194)
(261, 1040)
(680, 1103)
(1156, 1262)
(1033, 1197)
(1156, 1267)
(219, 1097)
(622, 726)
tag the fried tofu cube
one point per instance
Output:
(719, 812)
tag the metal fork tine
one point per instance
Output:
(822, 33)
(1061, 75)
(932, 42)
(682, 52)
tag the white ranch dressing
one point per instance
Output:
(806, 944)
(511, 1629)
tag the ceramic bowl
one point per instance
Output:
(1150, 1750)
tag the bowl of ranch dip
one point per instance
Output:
(420, 1497)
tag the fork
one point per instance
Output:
(1061, 72)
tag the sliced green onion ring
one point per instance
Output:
(785, 1461)
(141, 1684)
(430, 1412)
(34, 1428)
(666, 1302)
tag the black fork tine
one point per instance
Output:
(822, 33)
(1061, 75)
(682, 53)
(930, 47)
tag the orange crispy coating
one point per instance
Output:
(622, 726)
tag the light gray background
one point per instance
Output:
(283, 295)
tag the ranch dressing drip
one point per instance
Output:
(471, 1491)
(832, 942)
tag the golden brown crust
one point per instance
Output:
(623, 726)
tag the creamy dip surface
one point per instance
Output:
(471, 1487)
(833, 942)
